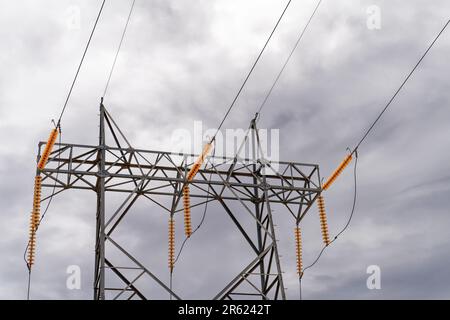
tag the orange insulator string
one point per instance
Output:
(298, 249)
(34, 220)
(323, 220)
(48, 149)
(186, 194)
(187, 211)
(198, 163)
(171, 243)
(337, 172)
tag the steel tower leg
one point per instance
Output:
(282, 289)
(99, 277)
(258, 212)
(268, 282)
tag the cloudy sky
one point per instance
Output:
(183, 61)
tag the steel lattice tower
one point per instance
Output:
(253, 183)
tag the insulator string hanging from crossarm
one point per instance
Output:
(323, 219)
(186, 191)
(34, 220)
(187, 211)
(348, 221)
(171, 244)
(298, 249)
(42, 216)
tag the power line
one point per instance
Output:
(226, 115)
(355, 151)
(81, 63)
(251, 70)
(258, 113)
(401, 87)
(118, 49)
(289, 57)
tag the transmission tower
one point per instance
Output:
(114, 166)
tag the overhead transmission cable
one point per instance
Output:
(251, 70)
(300, 37)
(208, 146)
(355, 150)
(233, 103)
(286, 62)
(401, 86)
(81, 63)
(118, 48)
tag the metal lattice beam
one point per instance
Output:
(137, 173)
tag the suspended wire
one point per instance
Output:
(118, 49)
(300, 37)
(43, 215)
(234, 101)
(300, 288)
(229, 110)
(267, 95)
(29, 284)
(251, 70)
(81, 63)
(355, 150)
(258, 113)
(401, 87)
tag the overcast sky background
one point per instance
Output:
(183, 61)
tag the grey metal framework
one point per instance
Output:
(120, 168)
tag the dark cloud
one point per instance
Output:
(182, 62)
